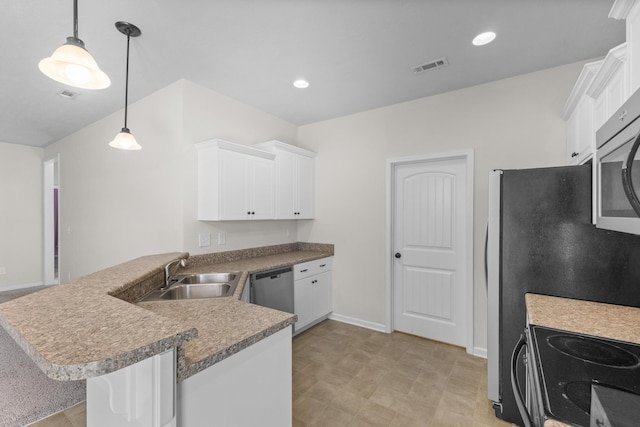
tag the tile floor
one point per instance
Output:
(344, 375)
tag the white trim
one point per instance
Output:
(614, 60)
(48, 184)
(22, 286)
(621, 9)
(279, 145)
(358, 322)
(480, 352)
(468, 156)
(231, 146)
(583, 83)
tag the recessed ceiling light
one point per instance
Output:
(484, 38)
(301, 84)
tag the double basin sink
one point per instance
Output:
(196, 286)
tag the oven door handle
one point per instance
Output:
(522, 408)
(627, 182)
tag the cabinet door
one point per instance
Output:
(234, 185)
(303, 301)
(261, 193)
(585, 137)
(616, 90)
(321, 290)
(287, 185)
(305, 187)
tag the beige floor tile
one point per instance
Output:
(372, 415)
(56, 420)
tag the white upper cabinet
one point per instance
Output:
(579, 115)
(629, 10)
(235, 182)
(295, 178)
(609, 87)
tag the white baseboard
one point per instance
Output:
(480, 352)
(357, 322)
(23, 286)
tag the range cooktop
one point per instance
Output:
(570, 363)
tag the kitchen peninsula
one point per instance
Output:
(172, 352)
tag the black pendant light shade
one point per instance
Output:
(124, 140)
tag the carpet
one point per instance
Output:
(26, 393)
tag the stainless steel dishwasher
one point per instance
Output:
(273, 289)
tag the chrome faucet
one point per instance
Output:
(182, 262)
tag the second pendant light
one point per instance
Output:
(125, 140)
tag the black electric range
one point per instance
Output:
(568, 364)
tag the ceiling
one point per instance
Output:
(356, 54)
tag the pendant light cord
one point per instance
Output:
(126, 84)
(75, 19)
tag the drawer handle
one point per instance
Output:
(323, 265)
(302, 271)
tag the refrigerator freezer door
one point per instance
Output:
(493, 287)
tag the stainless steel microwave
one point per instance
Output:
(617, 169)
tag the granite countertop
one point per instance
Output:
(92, 326)
(598, 319)
(585, 317)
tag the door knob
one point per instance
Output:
(398, 255)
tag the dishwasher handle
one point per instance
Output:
(272, 274)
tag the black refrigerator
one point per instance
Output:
(540, 239)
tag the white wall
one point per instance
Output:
(209, 115)
(511, 123)
(21, 238)
(117, 205)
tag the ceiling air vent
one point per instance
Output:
(66, 93)
(437, 63)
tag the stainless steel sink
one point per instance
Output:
(196, 286)
(188, 279)
(200, 290)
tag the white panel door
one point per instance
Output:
(429, 232)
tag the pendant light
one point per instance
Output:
(72, 64)
(124, 140)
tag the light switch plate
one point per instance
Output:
(204, 239)
(222, 237)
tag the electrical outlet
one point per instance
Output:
(222, 237)
(204, 239)
(3, 270)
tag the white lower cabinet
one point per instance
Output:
(312, 292)
(251, 388)
(139, 395)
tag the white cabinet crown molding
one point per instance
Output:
(269, 145)
(621, 9)
(614, 59)
(244, 149)
(585, 79)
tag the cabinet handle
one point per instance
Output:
(302, 271)
(314, 281)
(574, 154)
(253, 213)
(249, 213)
(398, 255)
(323, 265)
(623, 115)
